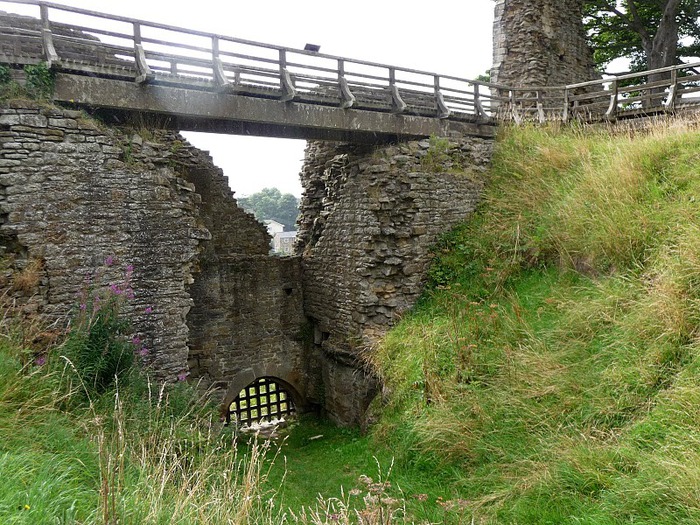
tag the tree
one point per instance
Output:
(651, 33)
(272, 204)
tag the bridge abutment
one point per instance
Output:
(369, 217)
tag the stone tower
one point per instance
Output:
(540, 42)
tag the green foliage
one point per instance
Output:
(140, 454)
(5, 74)
(441, 156)
(615, 33)
(39, 81)
(97, 347)
(271, 204)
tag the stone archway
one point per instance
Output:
(266, 399)
(266, 393)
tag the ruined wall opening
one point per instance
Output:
(263, 173)
(266, 399)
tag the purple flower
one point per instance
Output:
(40, 361)
(143, 352)
(148, 310)
(109, 261)
(129, 293)
(130, 269)
(115, 289)
(136, 340)
(182, 376)
(83, 306)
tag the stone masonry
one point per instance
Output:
(369, 217)
(540, 43)
(81, 202)
(247, 320)
(77, 207)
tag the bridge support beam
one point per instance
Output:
(211, 111)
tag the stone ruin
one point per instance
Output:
(210, 301)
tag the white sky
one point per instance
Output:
(441, 36)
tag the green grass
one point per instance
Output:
(554, 363)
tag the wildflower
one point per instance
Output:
(26, 507)
(115, 289)
(136, 340)
(83, 306)
(130, 269)
(40, 361)
(182, 376)
(109, 261)
(421, 497)
(148, 310)
(143, 352)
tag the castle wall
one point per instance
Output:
(80, 203)
(369, 218)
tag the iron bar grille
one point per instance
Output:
(263, 399)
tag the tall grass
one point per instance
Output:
(79, 448)
(553, 369)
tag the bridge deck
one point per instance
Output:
(211, 82)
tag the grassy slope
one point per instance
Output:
(553, 374)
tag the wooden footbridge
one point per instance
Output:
(202, 81)
(198, 81)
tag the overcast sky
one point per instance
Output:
(441, 36)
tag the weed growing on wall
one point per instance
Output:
(8, 87)
(39, 81)
(98, 345)
(440, 157)
(5, 74)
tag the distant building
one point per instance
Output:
(274, 227)
(283, 242)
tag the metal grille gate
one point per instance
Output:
(263, 399)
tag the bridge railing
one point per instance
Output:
(84, 41)
(619, 96)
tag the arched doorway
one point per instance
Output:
(266, 398)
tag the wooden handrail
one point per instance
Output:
(219, 59)
(222, 54)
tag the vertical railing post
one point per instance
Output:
(670, 102)
(47, 37)
(286, 83)
(217, 66)
(347, 99)
(614, 94)
(477, 102)
(540, 106)
(442, 110)
(144, 74)
(513, 106)
(565, 112)
(137, 34)
(398, 105)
